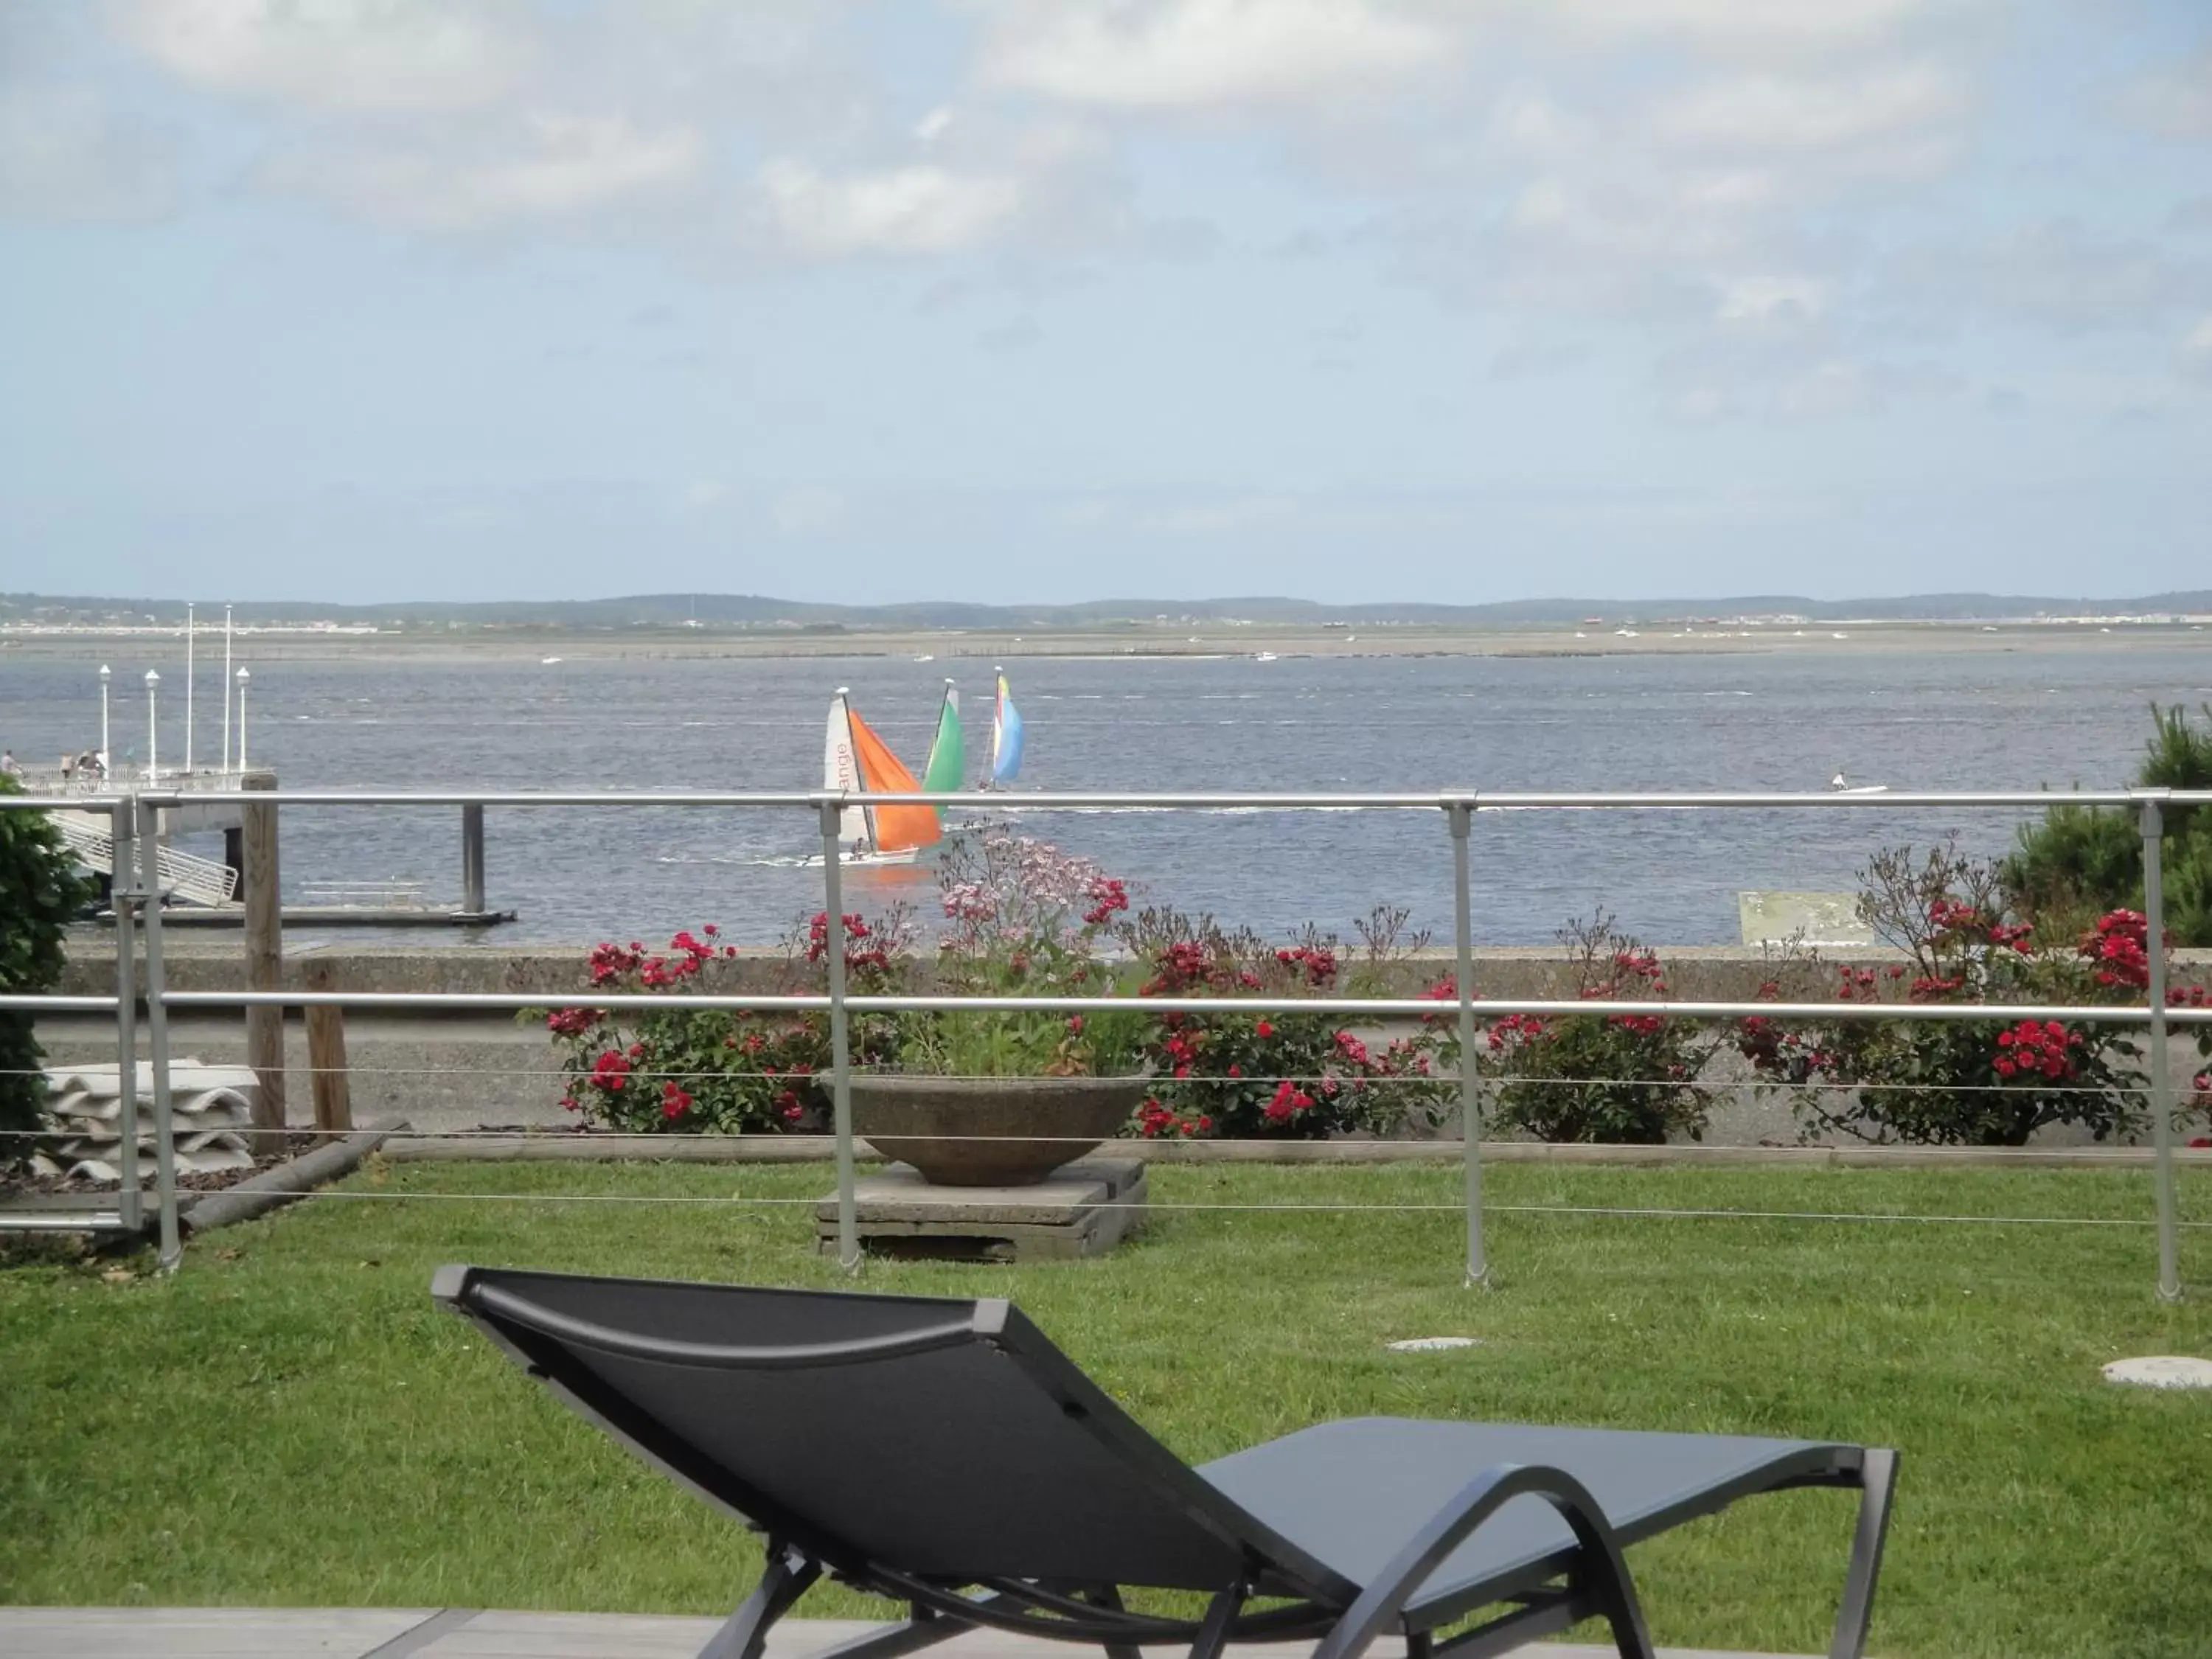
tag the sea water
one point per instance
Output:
(1933, 719)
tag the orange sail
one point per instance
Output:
(898, 828)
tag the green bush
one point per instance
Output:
(2082, 861)
(41, 893)
(1629, 1080)
(1968, 1083)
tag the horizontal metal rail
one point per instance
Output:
(17, 1002)
(1480, 800)
(73, 803)
(1384, 1007)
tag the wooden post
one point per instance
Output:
(472, 881)
(265, 956)
(329, 1081)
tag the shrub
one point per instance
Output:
(714, 1070)
(2081, 861)
(1274, 1076)
(41, 892)
(1985, 1082)
(1629, 1079)
(1024, 920)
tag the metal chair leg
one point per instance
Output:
(745, 1633)
(1878, 1480)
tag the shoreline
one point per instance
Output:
(1130, 643)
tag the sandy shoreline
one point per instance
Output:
(1285, 641)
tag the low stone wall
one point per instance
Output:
(450, 1071)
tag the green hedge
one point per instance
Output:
(41, 893)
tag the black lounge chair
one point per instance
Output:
(942, 1453)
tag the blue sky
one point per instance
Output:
(1460, 301)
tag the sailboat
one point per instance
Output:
(855, 758)
(946, 772)
(1006, 738)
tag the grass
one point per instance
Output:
(290, 1421)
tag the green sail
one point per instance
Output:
(948, 752)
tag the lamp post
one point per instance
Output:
(243, 676)
(106, 674)
(191, 635)
(153, 728)
(226, 690)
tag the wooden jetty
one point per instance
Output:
(211, 893)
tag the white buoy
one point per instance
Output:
(1432, 1343)
(2163, 1370)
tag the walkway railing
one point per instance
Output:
(1459, 809)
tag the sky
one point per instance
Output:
(1460, 301)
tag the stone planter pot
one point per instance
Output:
(996, 1132)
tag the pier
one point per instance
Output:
(205, 892)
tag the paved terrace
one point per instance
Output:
(469, 1633)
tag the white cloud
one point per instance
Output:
(546, 166)
(1770, 302)
(1745, 29)
(357, 55)
(1213, 54)
(1864, 121)
(917, 208)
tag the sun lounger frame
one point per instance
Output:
(1543, 1597)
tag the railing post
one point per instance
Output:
(841, 1049)
(122, 883)
(157, 1035)
(2162, 1061)
(1461, 814)
(473, 849)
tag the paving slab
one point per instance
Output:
(467, 1633)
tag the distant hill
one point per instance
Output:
(744, 611)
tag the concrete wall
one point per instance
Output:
(447, 1071)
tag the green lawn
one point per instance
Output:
(290, 1421)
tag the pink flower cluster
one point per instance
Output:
(1018, 887)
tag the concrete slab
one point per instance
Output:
(464, 1633)
(1084, 1209)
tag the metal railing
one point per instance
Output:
(1459, 808)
